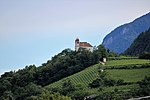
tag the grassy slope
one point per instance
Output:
(129, 75)
(126, 62)
(89, 74)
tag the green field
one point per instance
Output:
(126, 62)
(129, 75)
(109, 89)
(89, 74)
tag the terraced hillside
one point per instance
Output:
(128, 75)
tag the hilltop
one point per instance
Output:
(31, 79)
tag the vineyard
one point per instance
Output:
(84, 77)
(89, 74)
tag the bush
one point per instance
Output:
(103, 80)
(144, 55)
(120, 82)
(95, 84)
(144, 86)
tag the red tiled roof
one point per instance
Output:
(85, 44)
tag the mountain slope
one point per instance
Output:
(140, 44)
(121, 38)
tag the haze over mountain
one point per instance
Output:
(122, 37)
(141, 44)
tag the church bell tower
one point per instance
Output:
(77, 41)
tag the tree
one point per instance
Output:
(68, 62)
(111, 53)
(104, 80)
(144, 87)
(144, 55)
(100, 53)
(67, 87)
(29, 90)
(8, 95)
(100, 81)
(102, 50)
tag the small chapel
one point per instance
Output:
(82, 45)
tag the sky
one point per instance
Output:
(32, 31)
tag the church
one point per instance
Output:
(82, 45)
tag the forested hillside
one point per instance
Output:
(27, 82)
(140, 45)
(79, 78)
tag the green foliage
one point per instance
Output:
(132, 66)
(46, 95)
(144, 55)
(100, 52)
(120, 82)
(114, 95)
(54, 96)
(32, 92)
(89, 74)
(104, 80)
(62, 65)
(95, 84)
(26, 84)
(126, 62)
(129, 75)
(8, 95)
(144, 87)
(125, 88)
(84, 77)
(122, 58)
(142, 90)
(111, 53)
(67, 87)
(29, 90)
(100, 81)
(79, 94)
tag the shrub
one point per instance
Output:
(144, 55)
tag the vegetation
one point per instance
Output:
(143, 89)
(129, 75)
(144, 55)
(91, 73)
(103, 80)
(140, 45)
(126, 62)
(68, 75)
(29, 92)
(66, 63)
(133, 76)
(114, 83)
(77, 85)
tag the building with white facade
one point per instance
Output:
(83, 45)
